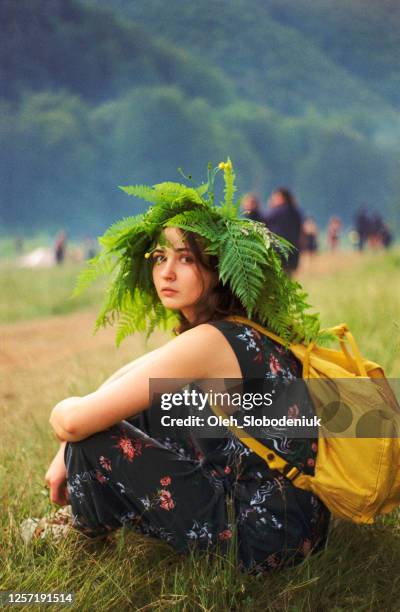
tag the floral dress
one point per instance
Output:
(194, 491)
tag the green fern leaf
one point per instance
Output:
(168, 192)
(143, 192)
(198, 222)
(98, 266)
(237, 258)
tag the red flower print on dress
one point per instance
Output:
(227, 470)
(314, 447)
(310, 462)
(274, 365)
(100, 477)
(293, 411)
(165, 481)
(166, 501)
(105, 463)
(130, 448)
(225, 535)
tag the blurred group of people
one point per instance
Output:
(284, 216)
(87, 250)
(371, 230)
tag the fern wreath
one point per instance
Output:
(249, 258)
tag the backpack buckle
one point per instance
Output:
(291, 472)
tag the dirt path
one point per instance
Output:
(41, 342)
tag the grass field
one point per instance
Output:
(42, 292)
(45, 359)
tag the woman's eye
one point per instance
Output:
(158, 258)
(187, 259)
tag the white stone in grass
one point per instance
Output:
(28, 528)
(55, 525)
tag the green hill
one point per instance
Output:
(362, 36)
(269, 49)
(53, 44)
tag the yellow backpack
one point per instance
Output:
(356, 477)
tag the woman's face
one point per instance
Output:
(179, 279)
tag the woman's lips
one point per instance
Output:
(167, 291)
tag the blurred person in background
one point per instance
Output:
(251, 207)
(309, 241)
(333, 233)
(59, 247)
(386, 235)
(379, 234)
(285, 218)
(362, 226)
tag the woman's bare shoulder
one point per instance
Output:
(208, 348)
(199, 337)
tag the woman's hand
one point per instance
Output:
(56, 479)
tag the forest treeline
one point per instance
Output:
(93, 98)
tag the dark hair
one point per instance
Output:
(215, 304)
(287, 195)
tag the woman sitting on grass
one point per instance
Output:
(191, 261)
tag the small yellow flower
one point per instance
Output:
(221, 166)
(228, 165)
(147, 255)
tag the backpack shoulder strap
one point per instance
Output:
(271, 458)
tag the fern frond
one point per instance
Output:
(123, 229)
(202, 189)
(156, 217)
(168, 192)
(132, 315)
(143, 192)
(98, 266)
(142, 315)
(198, 222)
(239, 261)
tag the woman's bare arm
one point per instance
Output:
(199, 353)
(148, 357)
